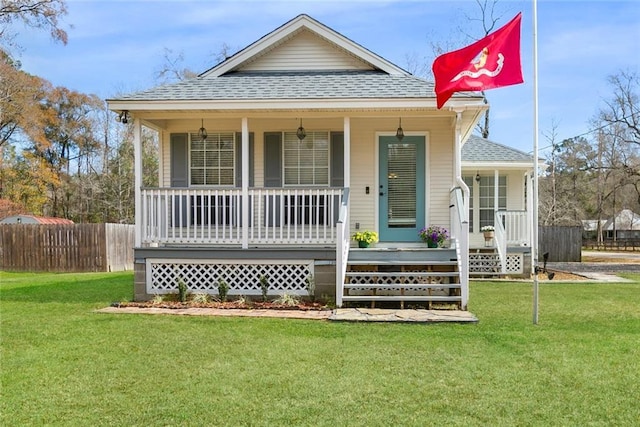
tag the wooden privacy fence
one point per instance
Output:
(564, 244)
(66, 248)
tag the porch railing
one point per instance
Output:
(512, 229)
(517, 227)
(214, 216)
(342, 247)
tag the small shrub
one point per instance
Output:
(287, 300)
(182, 290)
(328, 301)
(157, 299)
(223, 289)
(200, 298)
(264, 286)
(310, 286)
(243, 301)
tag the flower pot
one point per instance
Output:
(488, 237)
(362, 244)
(432, 244)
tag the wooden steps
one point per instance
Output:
(416, 276)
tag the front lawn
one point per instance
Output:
(64, 364)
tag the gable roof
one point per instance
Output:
(478, 150)
(292, 28)
(247, 77)
(625, 220)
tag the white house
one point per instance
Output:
(272, 159)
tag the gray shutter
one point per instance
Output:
(179, 152)
(239, 159)
(337, 168)
(179, 160)
(273, 159)
(273, 172)
(337, 159)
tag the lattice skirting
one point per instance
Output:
(489, 263)
(515, 263)
(243, 277)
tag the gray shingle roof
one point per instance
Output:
(292, 85)
(478, 149)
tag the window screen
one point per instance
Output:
(212, 161)
(306, 162)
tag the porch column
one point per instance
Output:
(496, 189)
(137, 180)
(245, 183)
(347, 152)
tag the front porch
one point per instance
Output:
(296, 235)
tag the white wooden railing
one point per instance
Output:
(512, 229)
(342, 247)
(460, 236)
(501, 243)
(214, 216)
(517, 227)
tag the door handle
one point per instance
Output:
(381, 193)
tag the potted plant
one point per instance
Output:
(365, 238)
(489, 232)
(434, 236)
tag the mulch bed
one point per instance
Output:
(230, 305)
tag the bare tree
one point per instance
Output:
(34, 14)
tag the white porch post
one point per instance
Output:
(496, 192)
(137, 180)
(347, 152)
(245, 183)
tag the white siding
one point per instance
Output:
(306, 51)
(440, 174)
(515, 190)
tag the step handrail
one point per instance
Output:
(342, 246)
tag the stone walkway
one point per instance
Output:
(341, 314)
(393, 315)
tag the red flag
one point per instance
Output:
(491, 62)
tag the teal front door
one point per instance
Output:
(401, 188)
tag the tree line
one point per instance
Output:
(595, 175)
(61, 154)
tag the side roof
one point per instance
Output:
(478, 149)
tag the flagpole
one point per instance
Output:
(534, 246)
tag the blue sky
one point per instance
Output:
(117, 46)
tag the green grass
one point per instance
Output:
(64, 364)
